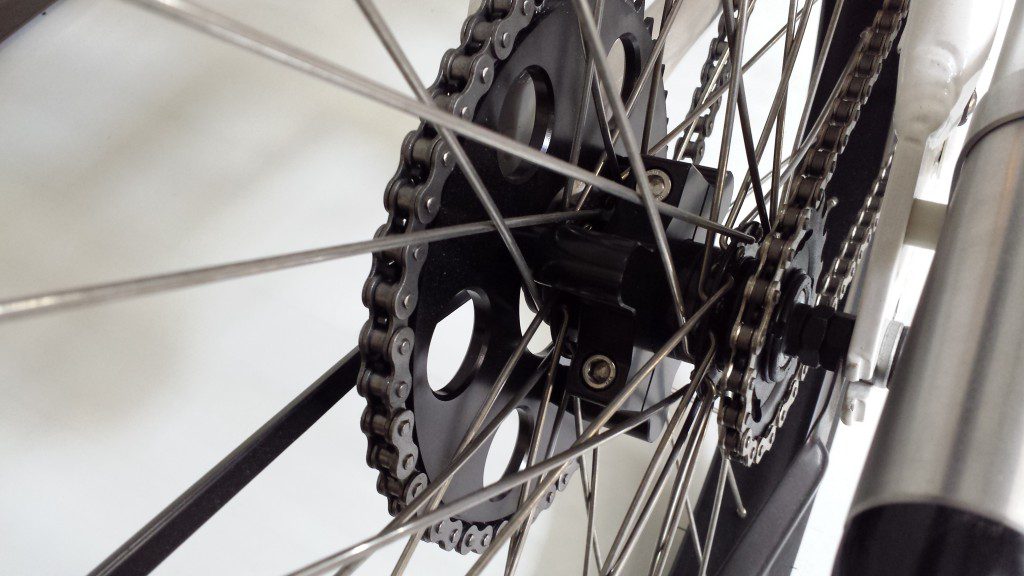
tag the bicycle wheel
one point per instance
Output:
(637, 262)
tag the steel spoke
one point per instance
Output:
(591, 530)
(677, 501)
(368, 546)
(593, 40)
(716, 510)
(600, 420)
(645, 74)
(581, 115)
(515, 549)
(240, 35)
(688, 452)
(590, 496)
(819, 122)
(716, 94)
(656, 77)
(674, 430)
(736, 57)
(776, 111)
(474, 428)
(108, 292)
(780, 120)
(737, 32)
(741, 510)
(819, 66)
(376, 20)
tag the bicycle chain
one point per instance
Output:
(775, 255)
(412, 200)
(832, 285)
(693, 149)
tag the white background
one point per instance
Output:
(130, 145)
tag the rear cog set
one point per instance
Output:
(520, 70)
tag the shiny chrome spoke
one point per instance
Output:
(24, 306)
(604, 73)
(678, 503)
(379, 25)
(236, 33)
(592, 543)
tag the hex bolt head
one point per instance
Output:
(598, 372)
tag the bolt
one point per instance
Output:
(598, 372)
(661, 184)
(485, 74)
(403, 346)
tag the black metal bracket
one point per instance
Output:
(175, 524)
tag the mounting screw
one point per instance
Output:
(599, 372)
(660, 183)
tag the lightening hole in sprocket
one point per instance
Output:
(455, 346)
(507, 452)
(527, 115)
(624, 64)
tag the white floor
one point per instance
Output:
(128, 146)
